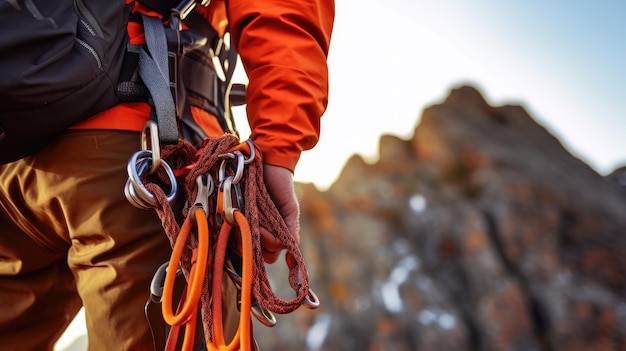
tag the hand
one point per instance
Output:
(279, 183)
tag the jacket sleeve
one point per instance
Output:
(283, 45)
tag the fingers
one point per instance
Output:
(279, 183)
(270, 246)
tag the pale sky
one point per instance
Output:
(562, 60)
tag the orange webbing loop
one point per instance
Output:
(242, 339)
(187, 313)
(244, 147)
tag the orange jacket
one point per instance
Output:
(283, 45)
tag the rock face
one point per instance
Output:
(481, 232)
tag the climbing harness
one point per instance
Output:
(204, 190)
(222, 192)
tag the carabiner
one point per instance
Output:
(129, 189)
(158, 282)
(136, 172)
(262, 314)
(247, 146)
(152, 129)
(225, 209)
(310, 301)
(252, 152)
(205, 187)
(231, 156)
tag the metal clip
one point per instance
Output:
(225, 210)
(129, 188)
(135, 191)
(151, 128)
(263, 315)
(205, 187)
(225, 205)
(158, 282)
(252, 151)
(227, 158)
(311, 301)
(243, 148)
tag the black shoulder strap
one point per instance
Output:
(154, 71)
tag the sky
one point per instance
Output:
(564, 61)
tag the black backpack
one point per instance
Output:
(62, 61)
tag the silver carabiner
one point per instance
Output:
(252, 152)
(135, 177)
(240, 165)
(151, 128)
(263, 315)
(227, 212)
(158, 282)
(205, 187)
(311, 301)
(129, 189)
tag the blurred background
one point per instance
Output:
(466, 187)
(563, 60)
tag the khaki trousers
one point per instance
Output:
(69, 238)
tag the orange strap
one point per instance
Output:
(188, 312)
(242, 340)
(188, 308)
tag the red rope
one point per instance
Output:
(260, 211)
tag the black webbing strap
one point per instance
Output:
(176, 75)
(207, 86)
(154, 71)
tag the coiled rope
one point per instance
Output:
(194, 253)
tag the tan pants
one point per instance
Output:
(69, 238)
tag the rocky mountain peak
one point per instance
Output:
(481, 232)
